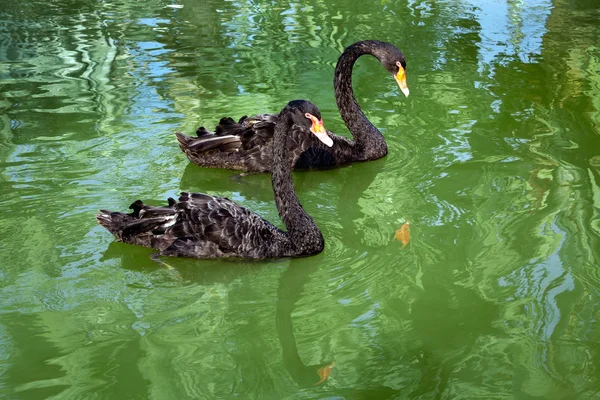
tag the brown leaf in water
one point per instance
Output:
(324, 372)
(403, 234)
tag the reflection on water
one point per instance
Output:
(493, 159)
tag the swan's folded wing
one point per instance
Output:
(253, 131)
(248, 122)
(229, 136)
(259, 130)
(227, 126)
(233, 228)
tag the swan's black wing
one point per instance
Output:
(258, 130)
(231, 230)
(199, 226)
(242, 145)
(247, 146)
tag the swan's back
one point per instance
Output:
(198, 226)
(248, 146)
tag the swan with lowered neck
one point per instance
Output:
(204, 226)
(248, 144)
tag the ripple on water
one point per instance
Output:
(492, 159)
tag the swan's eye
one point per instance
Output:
(307, 115)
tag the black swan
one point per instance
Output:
(203, 226)
(248, 144)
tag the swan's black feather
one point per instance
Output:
(253, 149)
(200, 226)
(211, 141)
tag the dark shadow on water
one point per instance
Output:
(356, 180)
(205, 272)
(290, 290)
(216, 181)
(291, 286)
(447, 324)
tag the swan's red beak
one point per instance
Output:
(400, 77)
(318, 129)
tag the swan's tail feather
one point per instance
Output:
(225, 143)
(184, 140)
(144, 226)
(114, 222)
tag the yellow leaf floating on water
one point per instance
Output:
(403, 234)
(324, 372)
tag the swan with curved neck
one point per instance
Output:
(248, 145)
(369, 143)
(203, 226)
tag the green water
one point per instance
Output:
(494, 159)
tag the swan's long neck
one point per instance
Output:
(305, 236)
(369, 142)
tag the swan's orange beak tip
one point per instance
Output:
(318, 129)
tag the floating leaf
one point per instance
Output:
(324, 372)
(403, 234)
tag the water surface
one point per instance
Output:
(494, 159)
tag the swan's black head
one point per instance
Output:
(297, 110)
(392, 59)
(308, 116)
